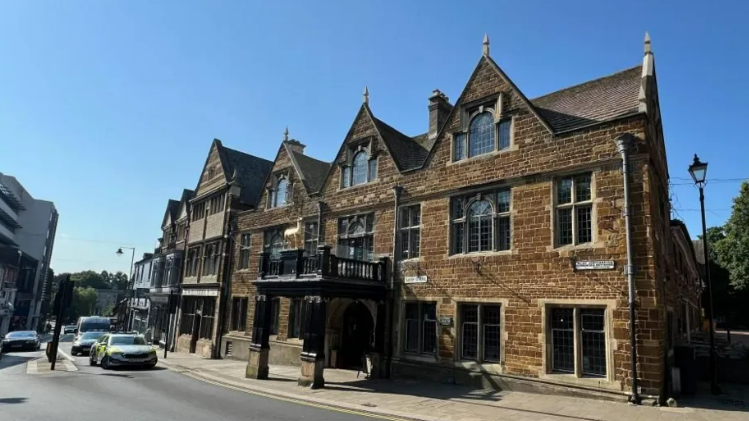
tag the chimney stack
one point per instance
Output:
(439, 109)
(295, 146)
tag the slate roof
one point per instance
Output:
(407, 153)
(172, 207)
(313, 171)
(251, 172)
(592, 102)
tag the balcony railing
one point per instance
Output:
(294, 264)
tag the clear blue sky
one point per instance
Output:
(108, 108)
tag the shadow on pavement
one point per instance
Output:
(12, 400)
(13, 360)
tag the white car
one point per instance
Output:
(68, 329)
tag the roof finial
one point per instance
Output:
(286, 134)
(485, 49)
(648, 48)
(366, 95)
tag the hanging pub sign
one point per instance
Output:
(594, 264)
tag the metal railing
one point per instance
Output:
(294, 264)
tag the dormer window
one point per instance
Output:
(279, 194)
(486, 131)
(361, 170)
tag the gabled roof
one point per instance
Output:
(250, 170)
(172, 207)
(407, 153)
(312, 171)
(592, 102)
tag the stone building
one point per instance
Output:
(492, 250)
(167, 284)
(230, 181)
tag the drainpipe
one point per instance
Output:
(397, 191)
(623, 144)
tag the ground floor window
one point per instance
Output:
(275, 308)
(239, 313)
(420, 328)
(578, 341)
(188, 315)
(297, 316)
(479, 332)
(207, 316)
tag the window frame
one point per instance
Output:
(367, 220)
(243, 262)
(461, 139)
(268, 236)
(579, 347)
(407, 229)
(298, 311)
(574, 205)
(481, 335)
(273, 191)
(239, 314)
(463, 223)
(311, 236)
(421, 329)
(371, 168)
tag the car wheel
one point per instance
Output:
(105, 363)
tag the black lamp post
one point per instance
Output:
(698, 171)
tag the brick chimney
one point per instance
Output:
(295, 146)
(439, 109)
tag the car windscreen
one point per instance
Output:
(127, 340)
(28, 334)
(101, 326)
(92, 335)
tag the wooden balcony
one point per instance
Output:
(294, 266)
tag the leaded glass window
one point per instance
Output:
(481, 223)
(359, 169)
(481, 134)
(574, 210)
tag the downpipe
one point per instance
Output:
(623, 145)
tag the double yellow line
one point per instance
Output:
(297, 401)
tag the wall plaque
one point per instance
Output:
(595, 264)
(421, 279)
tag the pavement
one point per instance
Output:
(423, 401)
(135, 395)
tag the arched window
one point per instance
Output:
(276, 245)
(481, 134)
(360, 169)
(480, 226)
(282, 188)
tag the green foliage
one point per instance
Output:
(733, 250)
(82, 303)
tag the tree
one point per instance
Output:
(733, 250)
(89, 279)
(82, 303)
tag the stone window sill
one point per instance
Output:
(572, 379)
(368, 183)
(481, 254)
(481, 157)
(418, 357)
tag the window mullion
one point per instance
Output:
(480, 335)
(576, 341)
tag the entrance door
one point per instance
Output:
(195, 333)
(357, 335)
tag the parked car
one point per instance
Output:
(21, 340)
(83, 342)
(68, 329)
(117, 350)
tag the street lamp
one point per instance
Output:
(698, 171)
(130, 279)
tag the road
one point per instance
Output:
(134, 394)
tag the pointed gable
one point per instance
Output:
(170, 214)
(225, 164)
(184, 202)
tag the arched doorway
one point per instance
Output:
(356, 336)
